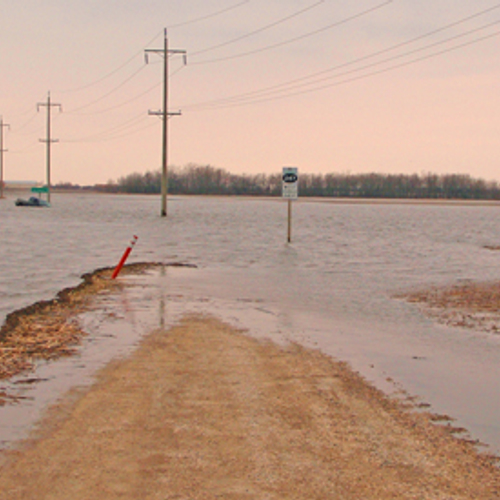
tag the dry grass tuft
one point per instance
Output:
(470, 305)
(49, 329)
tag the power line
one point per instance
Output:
(101, 136)
(127, 134)
(294, 39)
(359, 77)
(112, 91)
(375, 54)
(208, 16)
(114, 71)
(248, 97)
(127, 124)
(140, 52)
(24, 125)
(24, 113)
(120, 105)
(123, 103)
(260, 30)
(394, 47)
(113, 133)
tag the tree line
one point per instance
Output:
(209, 180)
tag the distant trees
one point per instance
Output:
(147, 183)
(205, 179)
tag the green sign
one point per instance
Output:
(43, 189)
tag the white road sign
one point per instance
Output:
(290, 183)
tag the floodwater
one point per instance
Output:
(332, 288)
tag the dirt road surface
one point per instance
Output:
(203, 411)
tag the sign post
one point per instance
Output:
(290, 192)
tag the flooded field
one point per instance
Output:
(332, 288)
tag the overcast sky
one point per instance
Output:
(402, 86)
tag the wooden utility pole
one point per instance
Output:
(48, 140)
(2, 151)
(164, 114)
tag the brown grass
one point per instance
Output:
(49, 329)
(471, 305)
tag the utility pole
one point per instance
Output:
(164, 114)
(48, 140)
(2, 151)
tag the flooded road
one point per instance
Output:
(333, 288)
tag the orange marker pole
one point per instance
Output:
(118, 268)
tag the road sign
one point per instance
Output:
(290, 183)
